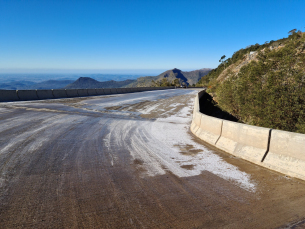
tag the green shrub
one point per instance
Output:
(271, 91)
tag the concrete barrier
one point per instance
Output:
(91, 92)
(119, 90)
(113, 91)
(209, 129)
(277, 150)
(59, 93)
(82, 92)
(45, 94)
(286, 153)
(71, 93)
(25, 95)
(107, 91)
(195, 125)
(100, 91)
(245, 141)
(8, 95)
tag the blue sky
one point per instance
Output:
(130, 36)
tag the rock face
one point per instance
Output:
(87, 82)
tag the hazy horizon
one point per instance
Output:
(145, 72)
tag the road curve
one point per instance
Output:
(130, 161)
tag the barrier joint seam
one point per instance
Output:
(66, 93)
(268, 146)
(220, 133)
(17, 95)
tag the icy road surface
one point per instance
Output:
(128, 161)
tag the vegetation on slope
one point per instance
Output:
(267, 90)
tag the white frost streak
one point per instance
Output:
(157, 145)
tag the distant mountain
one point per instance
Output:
(87, 82)
(28, 85)
(189, 78)
(15, 85)
(50, 84)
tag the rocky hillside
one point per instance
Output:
(87, 82)
(263, 85)
(171, 77)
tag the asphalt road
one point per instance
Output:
(130, 161)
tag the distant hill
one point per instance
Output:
(15, 85)
(189, 78)
(87, 82)
(28, 85)
(50, 84)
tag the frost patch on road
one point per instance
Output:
(163, 150)
(162, 145)
(149, 109)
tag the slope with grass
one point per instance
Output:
(263, 85)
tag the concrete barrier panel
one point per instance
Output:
(72, 93)
(8, 95)
(286, 153)
(91, 92)
(45, 94)
(82, 92)
(245, 141)
(113, 91)
(59, 93)
(107, 91)
(119, 90)
(210, 129)
(195, 125)
(100, 91)
(26, 95)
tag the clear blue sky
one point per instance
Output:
(132, 34)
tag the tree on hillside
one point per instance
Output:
(291, 32)
(222, 58)
(176, 82)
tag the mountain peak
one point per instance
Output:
(176, 70)
(87, 82)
